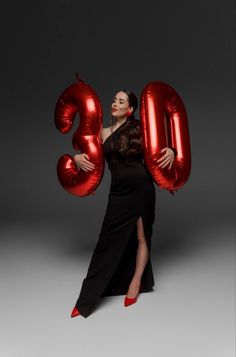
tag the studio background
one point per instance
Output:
(47, 235)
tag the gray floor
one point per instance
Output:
(190, 313)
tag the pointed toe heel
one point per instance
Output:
(75, 312)
(130, 301)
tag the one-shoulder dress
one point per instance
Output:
(132, 195)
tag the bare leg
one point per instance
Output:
(141, 260)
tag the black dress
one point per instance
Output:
(132, 194)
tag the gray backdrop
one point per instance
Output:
(46, 232)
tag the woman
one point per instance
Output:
(121, 263)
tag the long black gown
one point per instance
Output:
(112, 266)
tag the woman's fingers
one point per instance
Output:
(85, 164)
(162, 158)
(164, 149)
(167, 161)
(164, 164)
(166, 155)
(86, 167)
(88, 164)
(170, 162)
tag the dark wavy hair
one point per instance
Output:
(130, 141)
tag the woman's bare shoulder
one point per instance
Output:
(106, 130)
(104, 133)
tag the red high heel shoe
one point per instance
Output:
(75, 312)
(129, 301)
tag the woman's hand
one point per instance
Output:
(82, 162)
(167, 158)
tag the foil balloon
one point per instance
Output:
(164, 123)
(80, 98)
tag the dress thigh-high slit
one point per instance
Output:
(113, 262)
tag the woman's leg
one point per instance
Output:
(141, 260)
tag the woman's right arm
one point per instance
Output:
(82, 160)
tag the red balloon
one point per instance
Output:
(164, 123)
(80, 98)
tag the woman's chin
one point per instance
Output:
(119, 117)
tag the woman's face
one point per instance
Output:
(120, 105)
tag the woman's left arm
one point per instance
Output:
(168, 158)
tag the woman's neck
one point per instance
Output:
(120, 122)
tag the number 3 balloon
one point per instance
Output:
(163, 122)
(80, 98)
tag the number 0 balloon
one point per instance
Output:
(80, 98)
(164, 124)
